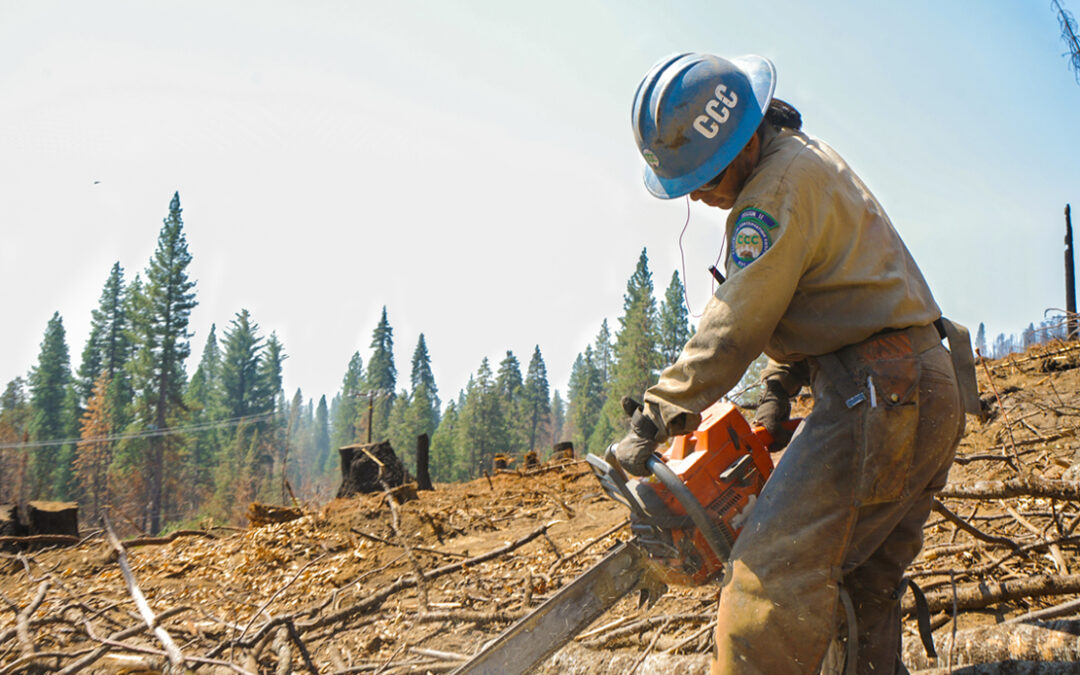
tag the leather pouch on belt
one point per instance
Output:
(890, 371)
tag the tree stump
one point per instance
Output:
(52, 518)
(423, 478)
(365, 465)
(562, 451)
(9, 521)
(266, 514)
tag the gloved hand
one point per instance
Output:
(774, 408)
(633, 451)
(637, 446)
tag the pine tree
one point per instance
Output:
(445, 448)
(382, 376)
(603, 355)
(269, 375)
(292, 454)
(15, 413)
(108, 348)
(586, 397)
(636, 356)
(535, 397)
(94, 452)
(162, 346)
(425, 394)
(674, 329)
(347, 412)
(398, 432)
(558, 417)
(240, 366)
(509, 388)
(980, 339)
(1028, 338)
(416, 413)
(52, 416)
(204, 400)
(322, 438)
(481, 427)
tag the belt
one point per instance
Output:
(921, 338)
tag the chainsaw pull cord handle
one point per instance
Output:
(691, 505)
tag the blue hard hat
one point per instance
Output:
(692, 115)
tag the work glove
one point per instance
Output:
(774, 408)
(634, 450)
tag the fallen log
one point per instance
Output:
(983, 594)
(1004, 668)
(573, 659)
(43, 539)
(1023, 486)
(1043, 642)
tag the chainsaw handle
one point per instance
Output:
(766, 438)
(691, 505)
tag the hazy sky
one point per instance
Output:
(470, 165)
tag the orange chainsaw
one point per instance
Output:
(684, 519)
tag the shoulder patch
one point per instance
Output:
(751, 237)
(757, 214)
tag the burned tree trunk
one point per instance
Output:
(365, 466)
(52, 518)
(423, 478)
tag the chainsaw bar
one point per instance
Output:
(551, 625)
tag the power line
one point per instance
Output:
(205, 426)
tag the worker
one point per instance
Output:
(819, 280)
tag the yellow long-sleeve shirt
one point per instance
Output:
(813, 264)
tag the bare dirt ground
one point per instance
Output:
(357, 587)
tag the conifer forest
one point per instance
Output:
(165, 434)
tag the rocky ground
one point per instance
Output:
(358, 586)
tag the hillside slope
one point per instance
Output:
(338, 589)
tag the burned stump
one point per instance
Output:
(267, 514)
(365, 466)
(562, 451)
(9, 521)
(423, 476)
(52, 518)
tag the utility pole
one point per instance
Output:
(1070, 278)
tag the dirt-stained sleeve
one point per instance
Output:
(769, 257)
(792, 376)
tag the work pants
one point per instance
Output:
(846, 504)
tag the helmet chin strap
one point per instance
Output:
(682, 258)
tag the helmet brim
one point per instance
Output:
(761, 73)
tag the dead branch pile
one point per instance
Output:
(371, 585)
(1002, 542)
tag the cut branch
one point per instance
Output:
(1023, 486)
(175, 657)
(984, 594)
(971, 529)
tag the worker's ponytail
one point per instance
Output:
(783, 114)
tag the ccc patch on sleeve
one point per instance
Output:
(751, 237)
